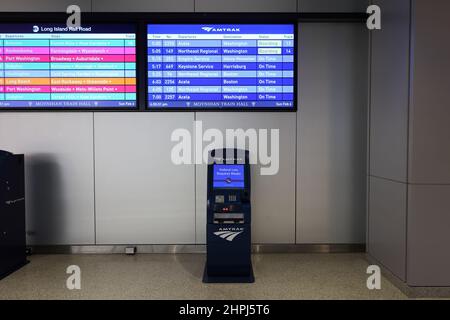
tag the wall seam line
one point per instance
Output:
(388, 179)
(369, 118)
(408, 126)
(195, 184)
(427, 184)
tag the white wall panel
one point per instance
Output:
(331, 133)
(59, 177)
(141, 196)
(273, 197)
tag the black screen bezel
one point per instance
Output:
(56, 18)
(219, 19)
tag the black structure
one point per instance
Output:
(228, 258)
(12, 213)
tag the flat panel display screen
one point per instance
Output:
(53, 66)
(228, 176)
(196, 66)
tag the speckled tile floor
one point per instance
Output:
(167, 276)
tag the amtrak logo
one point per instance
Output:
(228, 234)
(209, 29)
(227, 160)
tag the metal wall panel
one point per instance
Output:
(143, 6)
(59, 177)
(273, 197)
(141, 196)
(245, 6)
(430, 111)
(387, 224)
(428, 235)
(331, 133)
(390, 92)
(43, 5)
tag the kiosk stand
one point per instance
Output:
(228, 257)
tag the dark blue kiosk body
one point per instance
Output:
(228, 258)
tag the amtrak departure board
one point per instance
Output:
(210, 66)
(53, 66)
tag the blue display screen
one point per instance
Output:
(228, 176)
(221, 66)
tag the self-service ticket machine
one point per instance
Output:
(228, 258)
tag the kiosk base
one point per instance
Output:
(228, 279)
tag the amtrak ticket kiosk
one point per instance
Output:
(228, 257)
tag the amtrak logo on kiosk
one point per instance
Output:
(229, 233)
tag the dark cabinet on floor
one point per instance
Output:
(12, 213)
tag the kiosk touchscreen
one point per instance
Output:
(228, 229)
